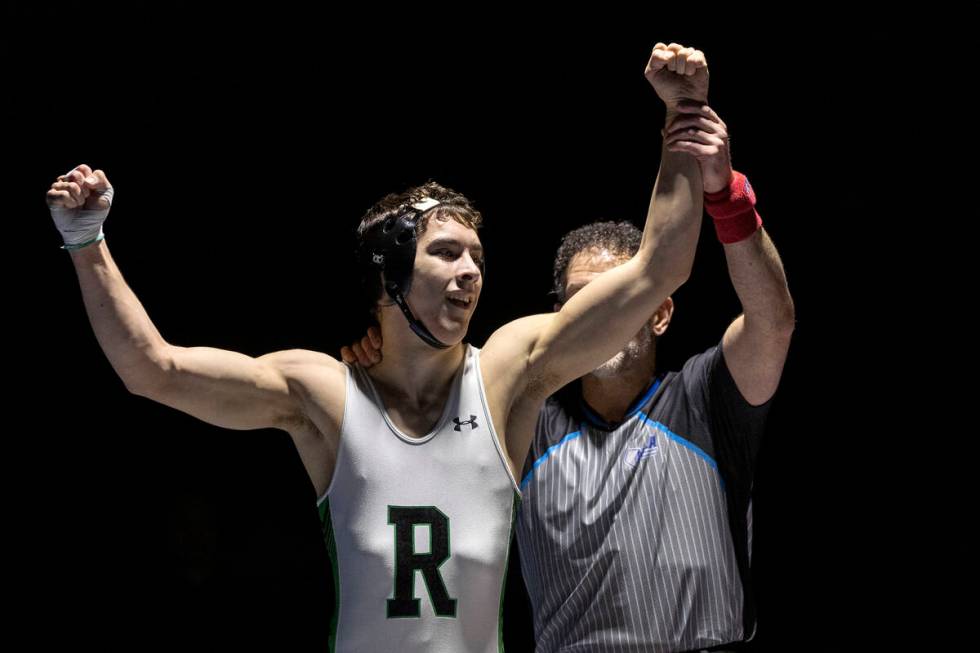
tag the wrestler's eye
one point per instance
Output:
(447, 253)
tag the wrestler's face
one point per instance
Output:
(583, 268)
(446, 283)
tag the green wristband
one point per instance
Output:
(81, 245)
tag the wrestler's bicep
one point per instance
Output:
(230, 389)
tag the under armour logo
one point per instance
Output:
(379, 259)
(471, 421)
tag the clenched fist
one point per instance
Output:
(678, 73)
(79, 202)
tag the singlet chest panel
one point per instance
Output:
(420, 526)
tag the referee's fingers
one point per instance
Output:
(347, 355)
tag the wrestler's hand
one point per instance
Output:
(80, 189)
(678, 73)
(366, 352)
(699, 131)
(79, 204)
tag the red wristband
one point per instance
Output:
(733, 210)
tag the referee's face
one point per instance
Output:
(586, 266)
(583, 268)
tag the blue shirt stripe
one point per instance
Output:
(685, 443)
(530, 473)
(633, 410)
(643, 420)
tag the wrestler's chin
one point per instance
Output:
(452, 328)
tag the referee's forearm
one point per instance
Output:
(129, 339)
(757, 274)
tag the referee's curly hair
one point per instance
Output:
(618, 238)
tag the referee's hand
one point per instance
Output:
(366, 352)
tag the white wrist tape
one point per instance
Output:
(80, 227)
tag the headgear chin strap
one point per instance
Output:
(392, 251)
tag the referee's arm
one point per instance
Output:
(756, 343)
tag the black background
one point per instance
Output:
(244, 145)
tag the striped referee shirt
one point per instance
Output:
(636, 536)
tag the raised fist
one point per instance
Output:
(81, 188)
(678, 73)
(79, 202)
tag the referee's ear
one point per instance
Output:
(557, 307)
(661, 319)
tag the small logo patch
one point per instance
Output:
(634, 455)
(471, 421)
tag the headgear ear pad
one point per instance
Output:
(389, 246)
(394, 251)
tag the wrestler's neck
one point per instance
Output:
(612, 396)
(412, 372)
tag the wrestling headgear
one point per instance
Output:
(389, 247)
